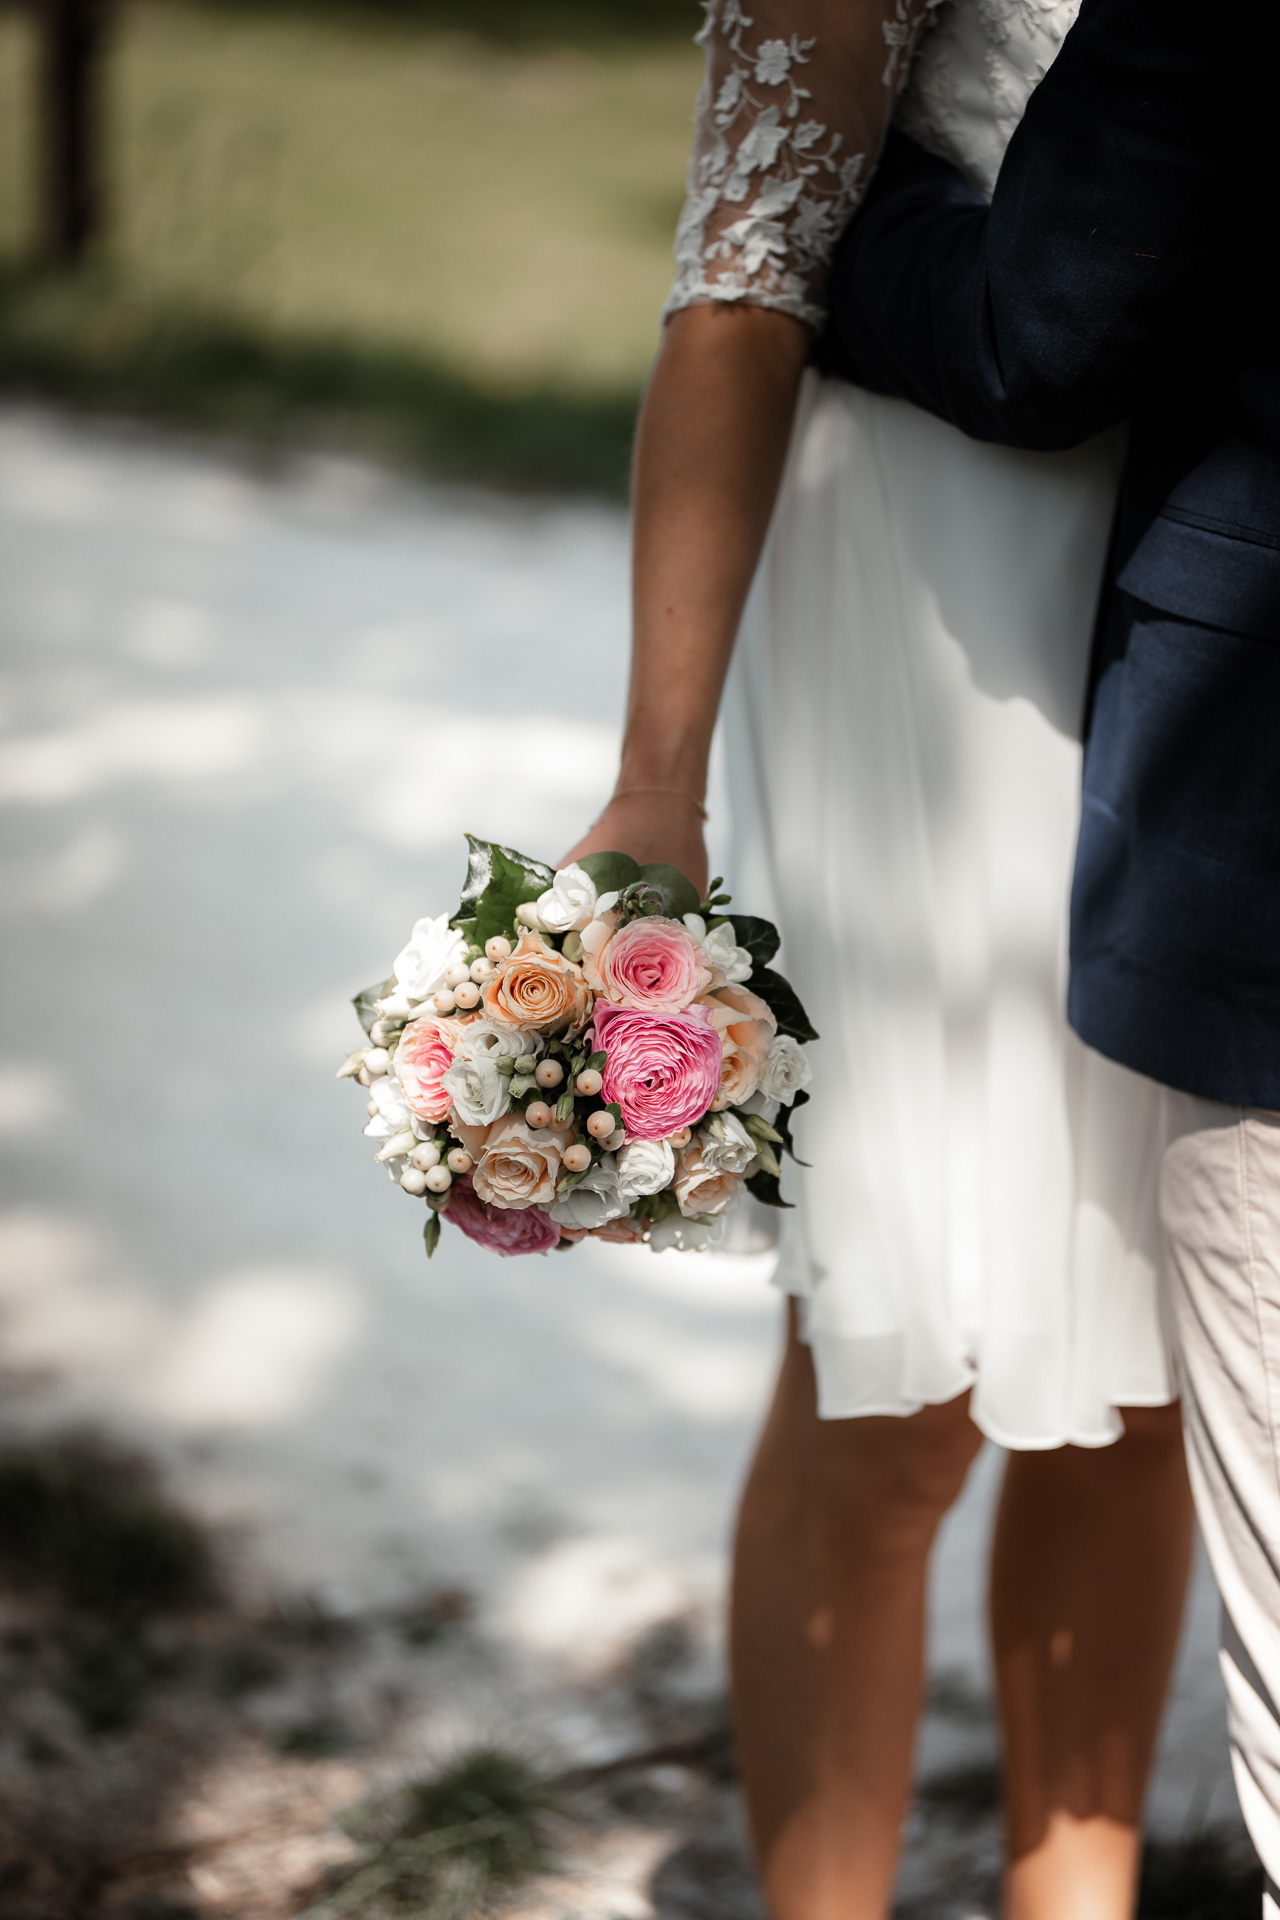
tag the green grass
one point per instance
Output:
(371, 214)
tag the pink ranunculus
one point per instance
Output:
(423, 1057)
(654, 965)
(663, 1069)
(504, 1230)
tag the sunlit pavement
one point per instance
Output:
(247, 718)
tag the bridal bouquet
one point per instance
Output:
(589, 1052)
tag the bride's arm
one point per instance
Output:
(792, 113)
(711, 443)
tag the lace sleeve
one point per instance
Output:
(795, 100)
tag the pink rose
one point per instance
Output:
(663, 1069)
(653, 965)
(502, 1230)
(422, 1059)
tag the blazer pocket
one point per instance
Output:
(1217, 579)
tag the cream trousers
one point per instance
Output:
(1220, 1203)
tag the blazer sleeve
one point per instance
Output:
(1104, 260)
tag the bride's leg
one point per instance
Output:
(827, 1638)
(1089, 1571)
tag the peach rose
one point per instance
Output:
(537, 987)
(623, 1232)
(423, 1057)
(519, 1164)
(746, 1027)
(653, 965)
(699, 1189)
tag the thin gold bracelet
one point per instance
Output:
(677, 792)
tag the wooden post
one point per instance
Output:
(72, 33)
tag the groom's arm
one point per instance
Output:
(1046, 316)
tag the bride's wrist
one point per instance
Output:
(683, 798)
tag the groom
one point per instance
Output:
(1123, 270)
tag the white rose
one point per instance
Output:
(731, 1154)
(681, 1235)
(434, 946)
(568, 903)
(495, 1040)
(644, 1166)
(480, 1094)
(393, 1115)
(730, 964)
(785, 1070)
(594, 1200)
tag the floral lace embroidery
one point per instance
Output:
(787, 170)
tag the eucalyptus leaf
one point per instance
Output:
(759, 937)
(679, 895)
(783, 1000)
(365, 1002)
(564, 1107)
(431, 1233)
(609, 871)
(598, 1062)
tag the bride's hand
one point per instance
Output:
(649, 826)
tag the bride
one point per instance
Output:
(974, 1249)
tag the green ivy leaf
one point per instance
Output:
(767, 1189)
(498, 879)
(365, 1002)
(779, 995)
(610, 872)
(784, 1117)
(759, 937)
(598, 1062)
(679, 895)
(431, 1232)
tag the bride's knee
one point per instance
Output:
(917, 1463)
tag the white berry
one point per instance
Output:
(437, 1179)
(588, 1083)
(376, 1062)
(444, 1002)
(467, 996)
(577, 1158)
(497, 947)
(538, 1113)
(548, 1073)
(600, 1125)
(414, 1181)
(425, 1155)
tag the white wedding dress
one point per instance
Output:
(903, 724)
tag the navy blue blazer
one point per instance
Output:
(1123, 270)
